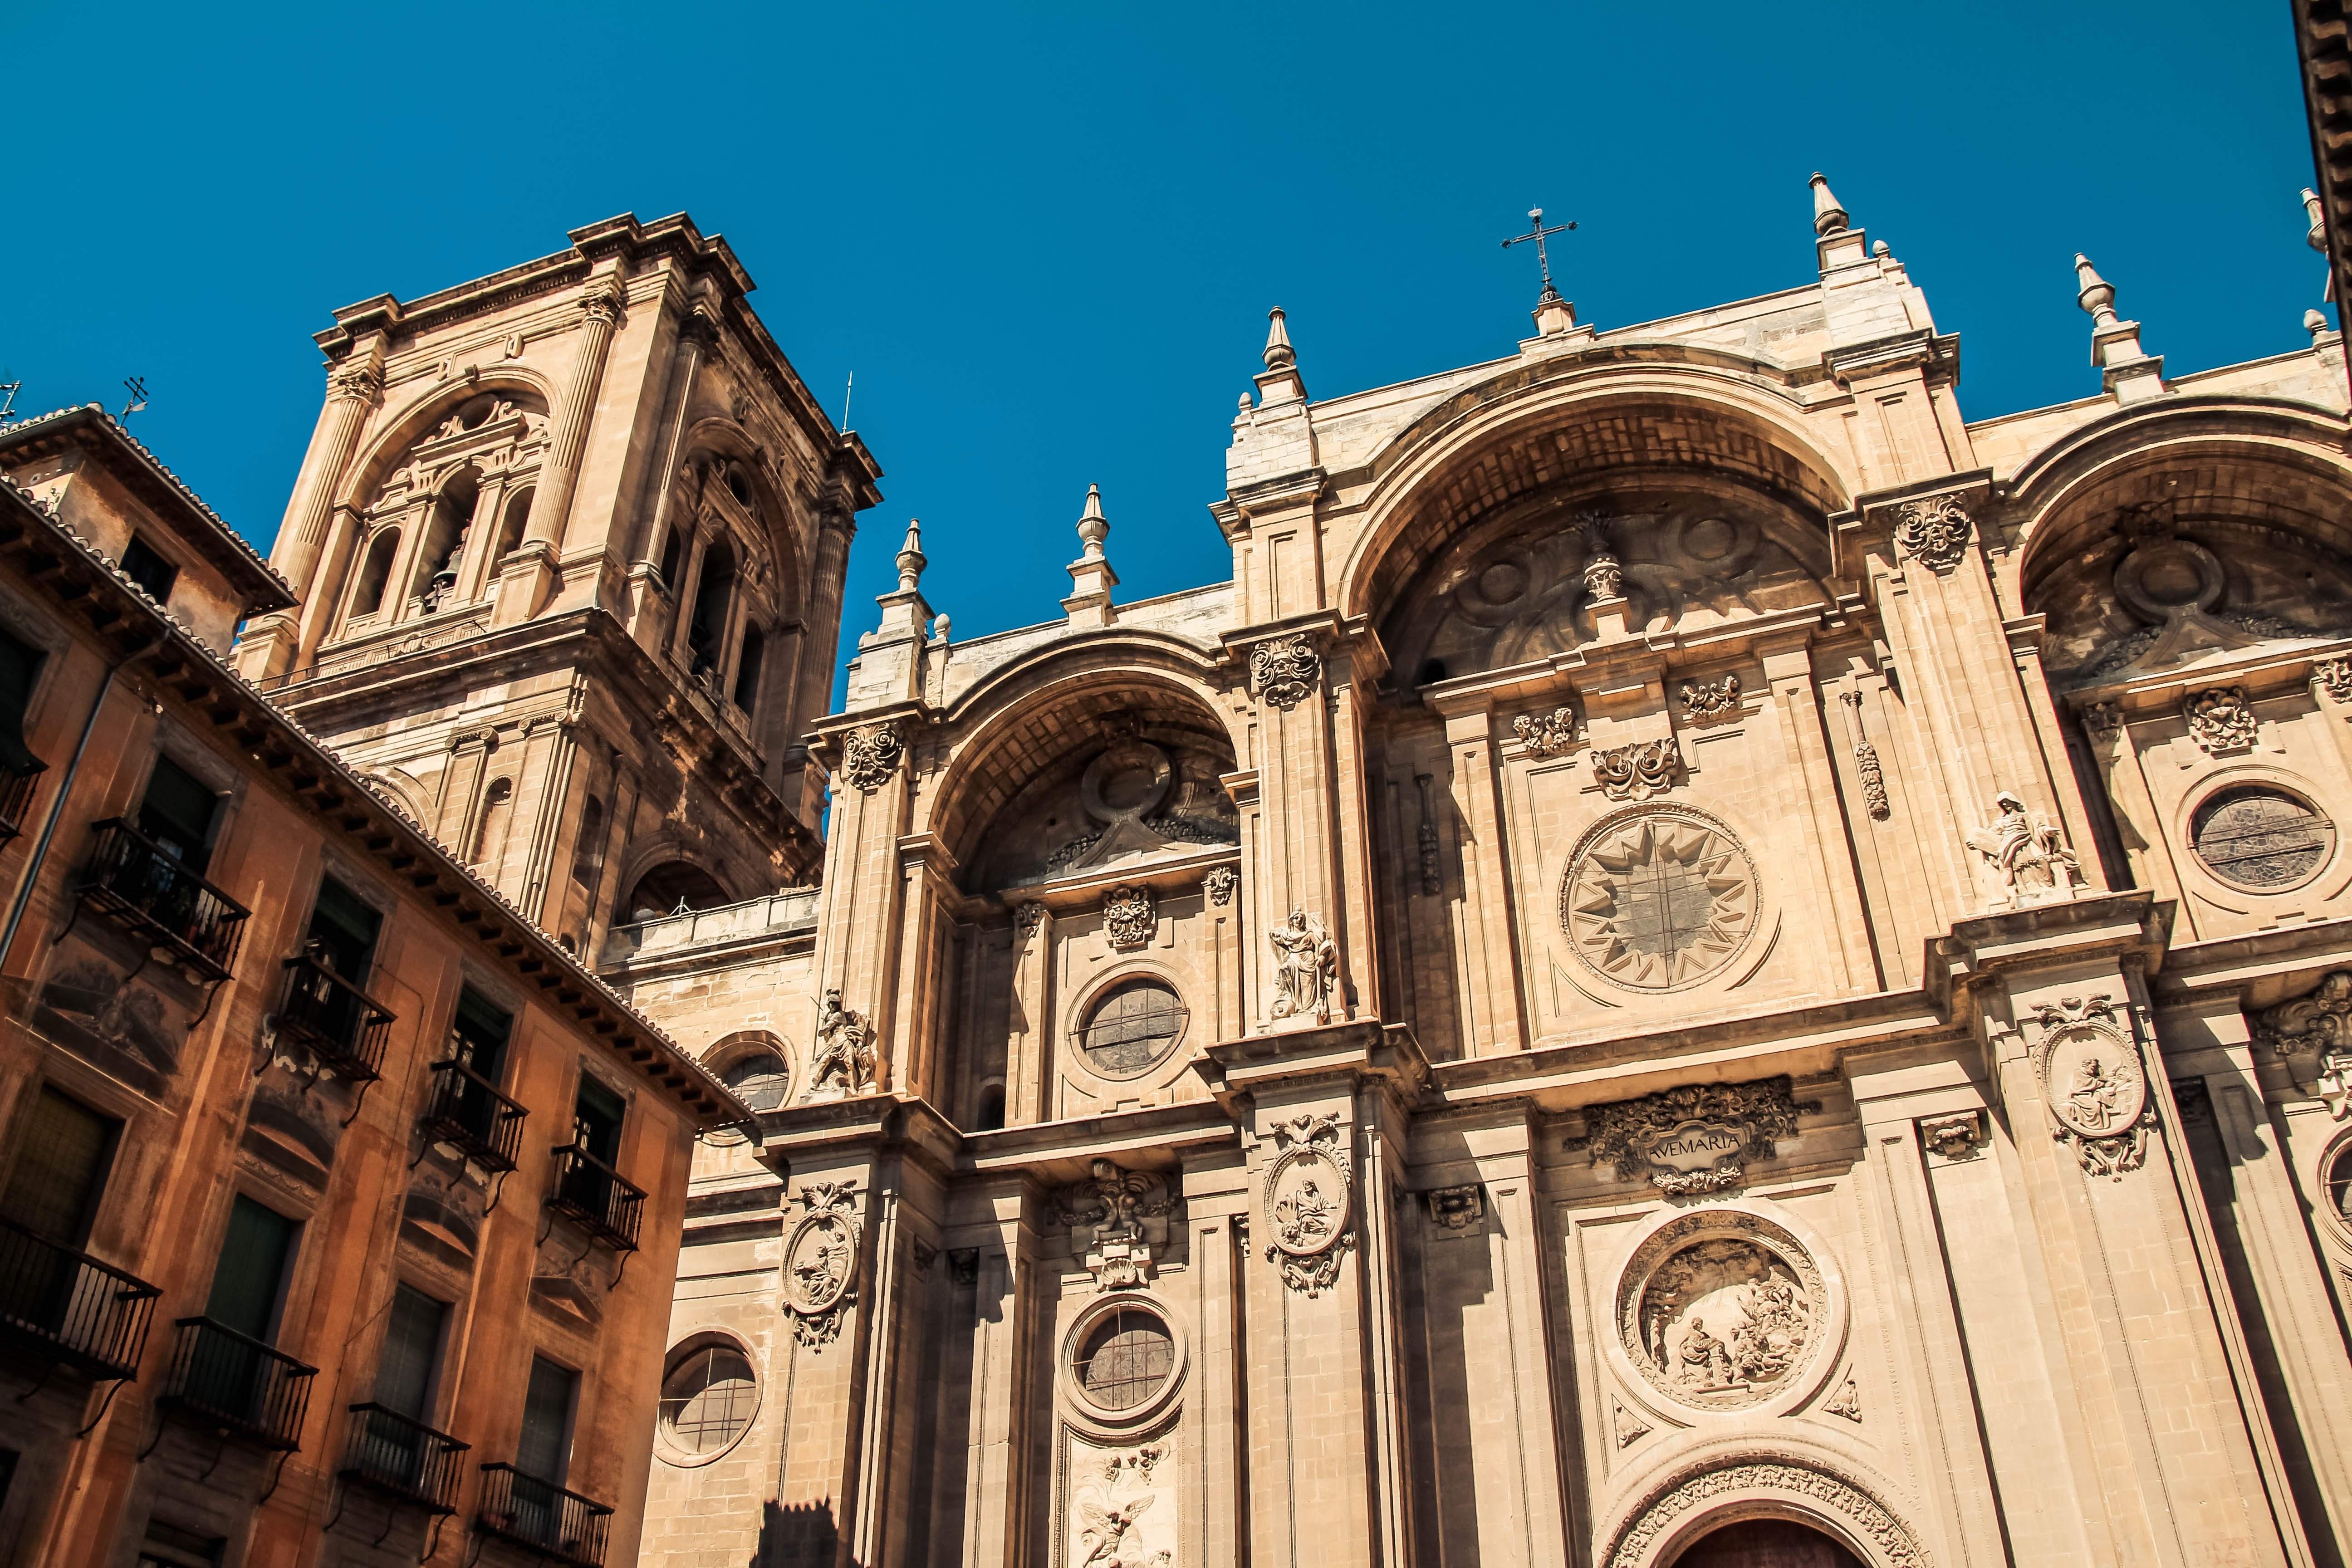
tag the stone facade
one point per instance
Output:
(1696, 946)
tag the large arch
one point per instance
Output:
(398, 433)
(1705, 1493)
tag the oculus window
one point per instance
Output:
(2261, 838)
(1132, 1028)
(1124, 1359)
(707, 1398)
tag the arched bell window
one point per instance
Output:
(375, 571)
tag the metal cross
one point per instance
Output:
(1535, 217)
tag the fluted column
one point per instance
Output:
(696, 337)
(355, 388)
(600, 315)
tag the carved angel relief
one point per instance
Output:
(1309, 1202)
(869, 756)
(1124, 1511)
(2096, 1086)
(821, 1262)
(1118, 1223)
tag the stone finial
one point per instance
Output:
(911, 559)
(2315, 324)
(2317, 235)
(2098, 295)
(1828, 216)
(940, 626)
(1279, 355)
(1093, 527)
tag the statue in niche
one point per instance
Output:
(2026, 855)
(845, 1054)
(1305, 963)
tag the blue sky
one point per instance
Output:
(1045, 238)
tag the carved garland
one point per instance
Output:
(1309, 1195)
(1863, 1513)
(1935, 530)
(2220, 720)
(1639, 770)
(2095, 1085)
(869, 756)
(1285, 671)
(821, 1262)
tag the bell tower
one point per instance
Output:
(569, 544)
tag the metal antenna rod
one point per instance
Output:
(136, 385)
(846, 394)
(8, 404)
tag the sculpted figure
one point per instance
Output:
(1707, 1362)
(2097, 1095)
(2025, 853)
(1305, 960)
(845, 1059)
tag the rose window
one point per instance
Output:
(1659, 900)
(2261, 838)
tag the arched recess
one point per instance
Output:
(717, 449)
(662, 889)
(1574, 435)
(1705, 1494)
(398, 432)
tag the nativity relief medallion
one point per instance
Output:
(1933, 529)
(1697, 1138)
(1658, 899)
(1308, 1196)
(2094, 1084)
(820, 1265)
(1546, 734)
(1285, 671)
(871, 755)
(1130, 916)
(1305, 964)
(1710, 702)
(2025, 859)
(1118, 1224)
(1639, 770)
(1722, 1310)
(2221, 720)
(842, 1066)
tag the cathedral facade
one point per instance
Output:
(1699, 959)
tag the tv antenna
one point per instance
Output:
(1540, 234)
(136, 385)
(8, 391)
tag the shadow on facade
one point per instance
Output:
(799, 1532)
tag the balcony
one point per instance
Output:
(597, 1195)
(226, 1379)
(17, 794)
(144, 888)
(69, 1306)
(340, 1023)
(406, 1459)
(561, 1526)
(466, 1110)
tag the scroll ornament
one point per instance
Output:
(1130, 916)
(1285, 671)
(2220, 720)
(1711, 701)
(869, 756)
(1934, 528)
(1117, 1221)
(1309, 1202)
(1545, 734)
(1695, 1138)
(1638, 771)
(1222, 882)
(821, 1262)
(2094, 1083)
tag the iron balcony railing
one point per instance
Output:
(235, 1382)
(343, 1025)
(70, 1307)
(17, 794)
(132, 879)
(405, 1458)
(556, 1524)
(597, 1195)
(465, 1109)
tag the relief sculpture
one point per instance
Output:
(1722, 1310)
(1308, 1196)
(1124, 1511)
(2096, 1088)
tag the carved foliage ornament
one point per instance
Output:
(1130, 915)
(1118, 1223)
(361, 382)
(821, 1261)
(869, 756)
(1222, 883)
(1639, 770)
(1696, 1138)
(2318, 1024)
(1816, 1490)
(1546, 733)
(1934, 528)
(2334, 676)
(1711, 701)
(2094, 1084)
(1309, 1200)
(2220, 720)
(1953, 1137)
(1722, 1309)
(1458, 1211)
(1285, 671)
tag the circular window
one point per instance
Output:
(1658, 900)
(761, 1079)
(1132, 1029)
(707, 1398)
(2261, 838)
(2338, 1183)
(1124, 1358)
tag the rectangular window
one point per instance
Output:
(252, 1272)
(60, 1169)
(480, 1033)
(544, 1450)
(168, 1546)
(145, 565)
(19, 666)
(596, 1119)
(412, 1354)
(343, 931)
(177, 813)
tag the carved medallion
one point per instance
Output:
(1308, 1198)
(1285, 671)
(1696, 1138)
(1130, 916)
(2220, 720)
(1659, 899)
(821, 1262)
(2094, 1084)
(1638, 771)
(1710, 702)
(869, 756)
(1546, 734)
(1721, 1310)
(1933, 529)
(1221, 883)
(1118, 1223)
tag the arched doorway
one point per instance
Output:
(1766, 1544)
